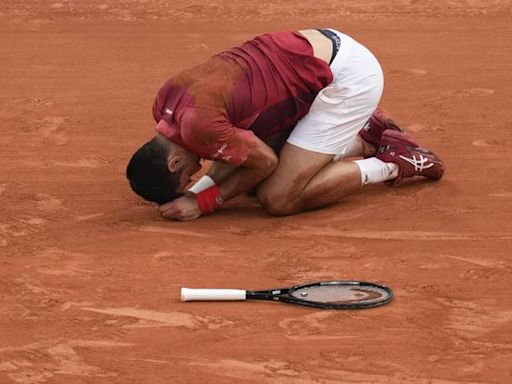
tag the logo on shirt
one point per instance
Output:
(220, 151)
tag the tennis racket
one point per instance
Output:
(326, 294)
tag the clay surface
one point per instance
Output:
(90, 274)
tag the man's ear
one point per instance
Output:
(174, 163)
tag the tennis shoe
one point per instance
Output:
(412, 160)
(378, 122)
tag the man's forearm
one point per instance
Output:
(259, 165)
(242, 180)
(225, 181)
(220, 171)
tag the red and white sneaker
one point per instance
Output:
(378, 122)
(412, 160)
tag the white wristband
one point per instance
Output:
(203, 183)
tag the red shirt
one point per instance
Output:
(260, 88)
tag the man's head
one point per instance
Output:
(160, 170)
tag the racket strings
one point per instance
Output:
(340, 294)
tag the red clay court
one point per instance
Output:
(90, 274)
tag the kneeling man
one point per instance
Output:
(317, 88)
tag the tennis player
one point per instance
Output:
(319, 89)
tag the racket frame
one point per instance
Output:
(284, 295)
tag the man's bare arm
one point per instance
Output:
(260, 163)
(219, 171)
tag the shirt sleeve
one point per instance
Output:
(211, 135)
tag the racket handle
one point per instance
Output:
(190, 294)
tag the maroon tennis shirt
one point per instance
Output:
(259, 88)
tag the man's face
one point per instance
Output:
(191, 165)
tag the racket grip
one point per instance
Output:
(191, 294)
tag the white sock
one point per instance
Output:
(353, 149)
(375, 171)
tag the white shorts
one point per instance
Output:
(342, 108)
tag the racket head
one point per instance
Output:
(340, 294)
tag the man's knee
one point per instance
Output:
(276, 204)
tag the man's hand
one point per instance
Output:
(183, 208)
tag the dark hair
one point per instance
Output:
(148, 173)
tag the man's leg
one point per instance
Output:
(306, 180)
